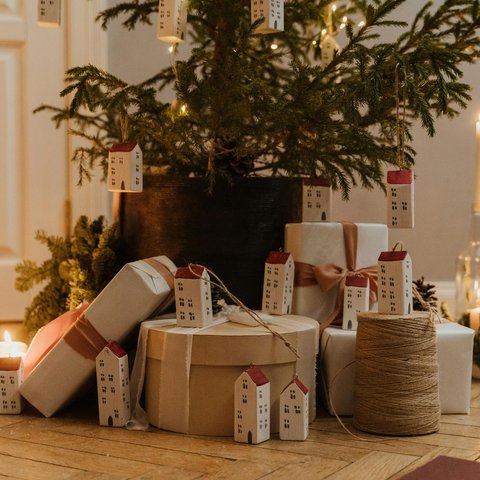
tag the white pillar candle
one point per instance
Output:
(9, 348)
(476, 194)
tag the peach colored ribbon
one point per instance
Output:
(84, 338)
(329, 275)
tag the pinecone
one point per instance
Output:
(427, 292)
(217, 296)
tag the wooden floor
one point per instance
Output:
(73, 446)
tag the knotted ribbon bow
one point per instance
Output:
(329, 275)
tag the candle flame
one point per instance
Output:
(6, 336)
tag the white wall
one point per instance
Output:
(444, 171)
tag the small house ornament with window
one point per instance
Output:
(193, 297)
(400, 198)
(395, 282)
(317, 200)
(328, 49)
(11, 377)
(252, 407)
(272, 13)
(294, 411)
(113, 386)
(172, 20)
(356, 299)
(278, 283)
(125, 168)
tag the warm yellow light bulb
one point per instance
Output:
(344, 19)
(183, 109)
(342, 26)
(273, 46)
(171, 48)
(314, 42)
(334, 7)
(324, 31)
(361, 24)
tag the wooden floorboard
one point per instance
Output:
(72, 446)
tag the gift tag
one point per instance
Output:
(272, 13)
(400, 199)
(125, 168)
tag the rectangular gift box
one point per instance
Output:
(455, 350)
(190, 373)
(323, 243)
(139, 290)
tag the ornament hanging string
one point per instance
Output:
(400, 119)
(124, 127)
(219, 284)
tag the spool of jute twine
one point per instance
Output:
(396, 382)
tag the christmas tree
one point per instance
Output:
(281, 104)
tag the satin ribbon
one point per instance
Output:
(85, 339)
(328, 276)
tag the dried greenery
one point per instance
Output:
(252, 110)
(78, 269)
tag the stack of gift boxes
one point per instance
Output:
(336, 269)
(224, 374)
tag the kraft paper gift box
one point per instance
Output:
(323, 243)
(455, 350)
(60, 367)
(190, 373)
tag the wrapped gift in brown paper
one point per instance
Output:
(139, 290)
(190, 373)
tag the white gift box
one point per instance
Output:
(138, 290)
(323, 243)
(455, 350)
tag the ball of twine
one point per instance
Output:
(396, 383)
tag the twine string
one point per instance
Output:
(219, 284)
(400, 118)
(124, 127)
(396, 385)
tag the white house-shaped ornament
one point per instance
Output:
(395, 283)
(400, 199)
(278, 283)
(172, 21)
(113, 386)
(125, 168)
(11, 377)
(328, 48)
(49, 13)
(356, 298)
(193, 297)
(252, 407)
(317, 200)
(272, 13)
(294, 411)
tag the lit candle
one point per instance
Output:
(476, 194)
(9, 348)
(474, 318)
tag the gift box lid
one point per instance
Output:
(229, 343)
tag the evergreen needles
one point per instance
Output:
(251, 110)
(78, 269)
